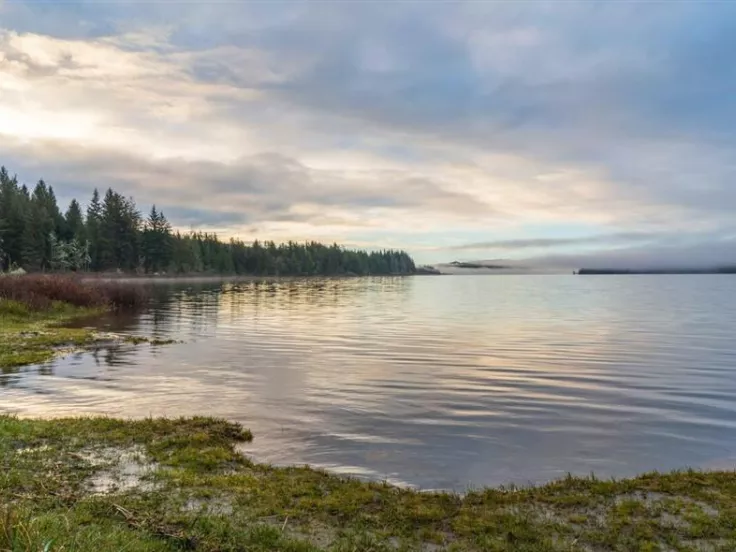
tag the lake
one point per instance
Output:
(445, 382)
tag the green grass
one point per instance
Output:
(92, 484)
(30, 337)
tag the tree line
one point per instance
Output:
(112, 234)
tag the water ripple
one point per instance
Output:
(433, 382)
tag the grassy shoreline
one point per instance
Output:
(34, 309)
(88, 484)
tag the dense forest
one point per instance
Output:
(112, 234)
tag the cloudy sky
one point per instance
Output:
(473, 130)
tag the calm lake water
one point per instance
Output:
(438, 382)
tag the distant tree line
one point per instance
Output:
(113, 235)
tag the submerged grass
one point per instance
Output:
(30, 336)
(187, 488)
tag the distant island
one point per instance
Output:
(610, 271)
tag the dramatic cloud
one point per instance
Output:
(442, 128)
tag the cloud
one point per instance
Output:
(346, 120)
(252, 190)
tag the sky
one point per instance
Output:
(557, 131)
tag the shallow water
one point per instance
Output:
(438, 382)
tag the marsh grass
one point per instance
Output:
(199, 493)
(39, 292)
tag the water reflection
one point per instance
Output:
(436, 382)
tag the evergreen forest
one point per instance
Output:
(111, 234)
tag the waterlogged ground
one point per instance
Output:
(155, 484)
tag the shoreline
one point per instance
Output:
(97, 483)
(124, 278)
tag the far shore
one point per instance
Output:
(655, 272)
(204, 278)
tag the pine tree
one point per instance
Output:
(92, 230)
(118, 246)
(156, 242)
(35, 238)
(74, 223)
(14, 204)
(109, 224)
(52, 208)
(39, 225)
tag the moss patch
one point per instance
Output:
(195, 491)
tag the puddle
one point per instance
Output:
(120, 470)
